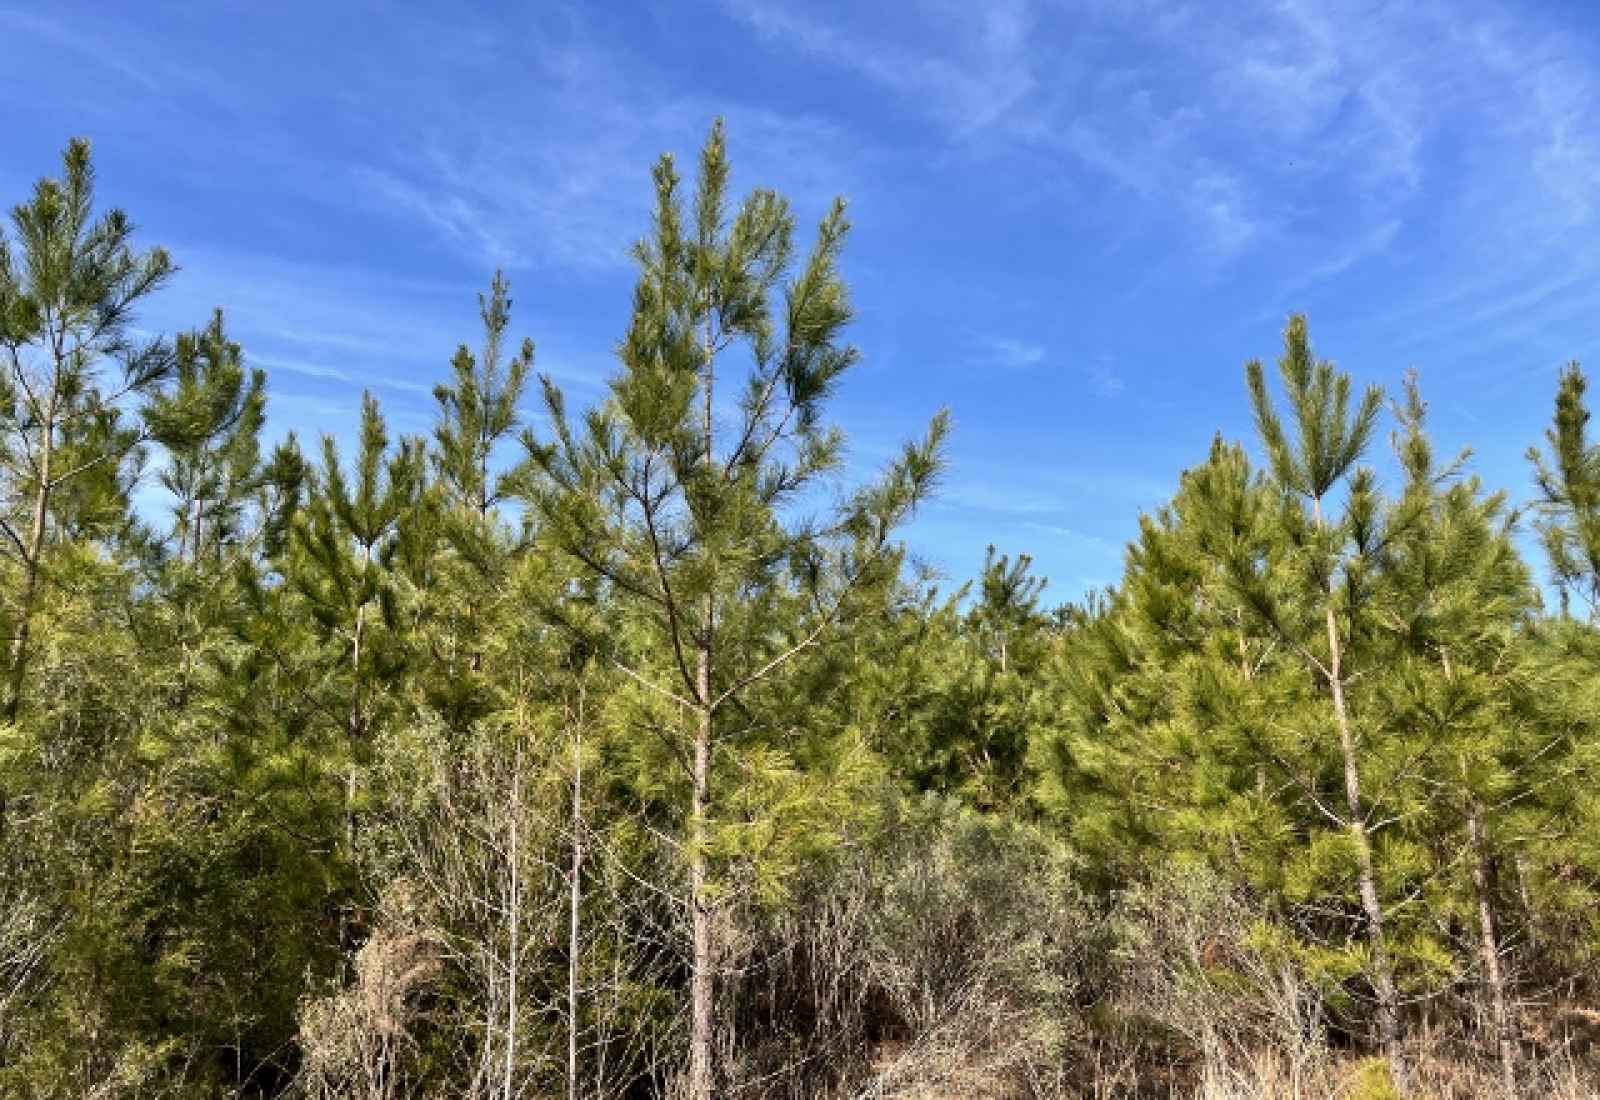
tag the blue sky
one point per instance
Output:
(1074, 219)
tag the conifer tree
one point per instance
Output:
(683, 490)
(1331, 561)
(210, 423)
(964, 716)
(349, 539)
(69, 285)
(478, 412)
(1189, 723)
(1569, 496)
(1007, 613)
(1215, 687)
(1458, 665)
(1154, 745)
(478, 408)
(342, 632)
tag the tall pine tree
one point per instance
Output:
(685, 492)
(69, 284)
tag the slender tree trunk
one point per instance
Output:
(574, 913)
(700, 969)
(196, 519)
(188, 551)
(354, 726)
(1525, 897)
(701, 985)
(1494, 976)
(183, 535)
(353, 731)
(1489, 947)
(1383, 985)
(513, 922)
(16, 667)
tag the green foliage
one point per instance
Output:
(1569, 488)
(1344, 708)
(427, 770)
(210, 424)
(966, 685)
(1328, 438)
(69, 284)
(1372, 1082)
(689, 512)
(479, 408)
(346, 552)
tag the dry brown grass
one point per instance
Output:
(906, 1072)
(1268, 1076)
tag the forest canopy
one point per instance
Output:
(625, 751)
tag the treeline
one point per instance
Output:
(621, 752)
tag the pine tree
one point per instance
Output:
(1459, 664)
(1569, 504)
(210, 423)
(964, 715)
(1212, 695)
(69, 285)
(351, 534)
(1155, 748)
(1331, 562)
(1189, 724)
(478, 408)
(682, 493)
(339, 630)
(478, 413)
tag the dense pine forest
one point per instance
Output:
(626, 751)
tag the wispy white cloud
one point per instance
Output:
(1104, 382)
(275, 363)
(522, 140)
(325, 332)
(981, 485)
(1254, 124)
(1006, 353)
(1346, 254)
(566, 186)
(1084, 193)
(58, 34)
(973, 79)
(346, 314)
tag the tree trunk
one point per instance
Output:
(355, 724)
(513, 922)
(701, 985)
(17, 663)
(1525, 897)
(196, 520)
(701, 964)
(1494, 976)
(1383, 985)
(576, 901)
